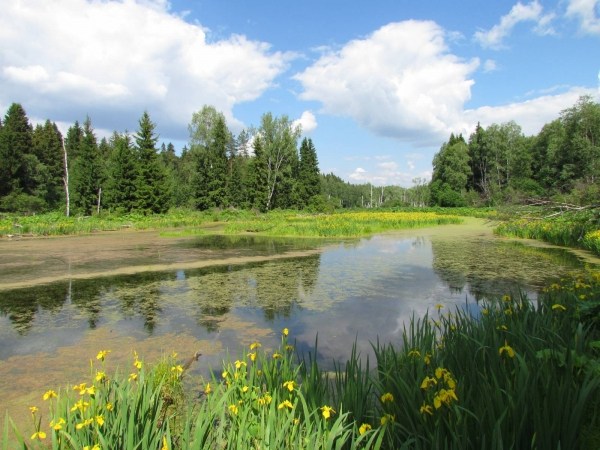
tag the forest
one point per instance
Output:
(264, 168)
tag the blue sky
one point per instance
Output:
(377, 85)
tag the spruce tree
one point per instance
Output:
(47, 147)
(309, 179)
(152, 194)
(122, 175)
(15, 143)
(86, 173)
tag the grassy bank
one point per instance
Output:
(276, 223)
(580, 230)
(513, 374)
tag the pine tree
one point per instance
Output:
(152, 194)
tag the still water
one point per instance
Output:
(360, 290)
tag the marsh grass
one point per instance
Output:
(344, 224)
(511, 374)
(580, 229)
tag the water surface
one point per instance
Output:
(217, 294)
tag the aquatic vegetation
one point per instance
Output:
(345, 224)
(510, 371)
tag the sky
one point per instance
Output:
(377, 85)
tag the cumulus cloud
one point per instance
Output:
(531, 115)
(400, 81)
(531, 12)
(587, 12)
(114, 59)
(307, 122)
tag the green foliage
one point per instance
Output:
(151, 188)
(86, 174)
(346, 224)
(573, 229)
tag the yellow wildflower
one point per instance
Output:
(506, 349)
(95, 447)
(276, 355)
(252, 356)
(57, 424)
(177, 370)
(91, 390)
(426, 409)
(239, 364)
(289, 347)
(485, 311)
(109, 406)
(233, 409)
(80, 387)
(428, 382)
(255, 345)
(327, 411)
(285, 404)
(427, 359)
(85, 423)
(558, 307)
(165, 445)
(387, 418)
(33, 409)
(506, 298)
(439, 306)
(100, 376)
(364, 428)
(265, 399)
(207, 389)
(102, 354)
(80, 405)
(285, 331)
(49, 394)
(387, 397)
(414, 353)
(289, 385)
(38, 435)
(132, 376)
(100, 420)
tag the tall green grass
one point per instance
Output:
(580, 230)
(511, 373)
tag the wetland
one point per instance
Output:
(64, 299)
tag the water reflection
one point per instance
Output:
(363, 289)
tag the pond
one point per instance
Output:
(217, 294)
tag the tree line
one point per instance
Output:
(260, 168)
(499, 164)
(264, 168)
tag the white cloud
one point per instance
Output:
(587, 12)
(489, 66)
(493, 37)
(401, 82)
(531, 115)
(307, 121)
(114, 59)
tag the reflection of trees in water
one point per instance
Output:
(275, 287)
(492, 268)
(141, 295)
(23, 305)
